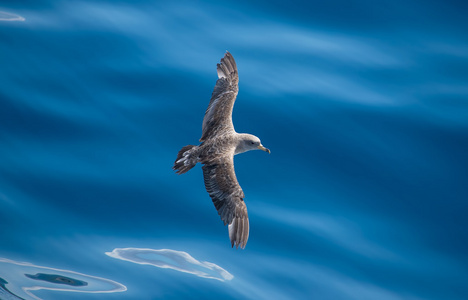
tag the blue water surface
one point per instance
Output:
(364, 105)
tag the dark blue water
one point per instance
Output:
(364, 105)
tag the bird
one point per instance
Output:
(219, 143)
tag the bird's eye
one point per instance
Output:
(252, 143)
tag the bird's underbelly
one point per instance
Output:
(212, 151)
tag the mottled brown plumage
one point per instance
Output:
(220, 142)
(218, 115)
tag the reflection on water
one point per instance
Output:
(172, 259)
(57, 279)
(17, 281)
(5, 294)
(4, 16)
(366, 200)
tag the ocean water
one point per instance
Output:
(364, 105)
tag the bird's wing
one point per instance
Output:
(218, 115)
(228, 198)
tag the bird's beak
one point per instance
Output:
(264, 149)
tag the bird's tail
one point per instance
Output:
(184, 160)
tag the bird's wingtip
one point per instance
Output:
(239, 232)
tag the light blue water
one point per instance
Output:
(364, 105)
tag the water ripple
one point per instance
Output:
(172, 259)
(19, 279)
(5, 16)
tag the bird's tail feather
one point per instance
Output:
(184, 160)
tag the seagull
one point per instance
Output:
(219, 143)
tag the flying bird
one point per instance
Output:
(219, 143)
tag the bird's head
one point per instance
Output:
(250, 142)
